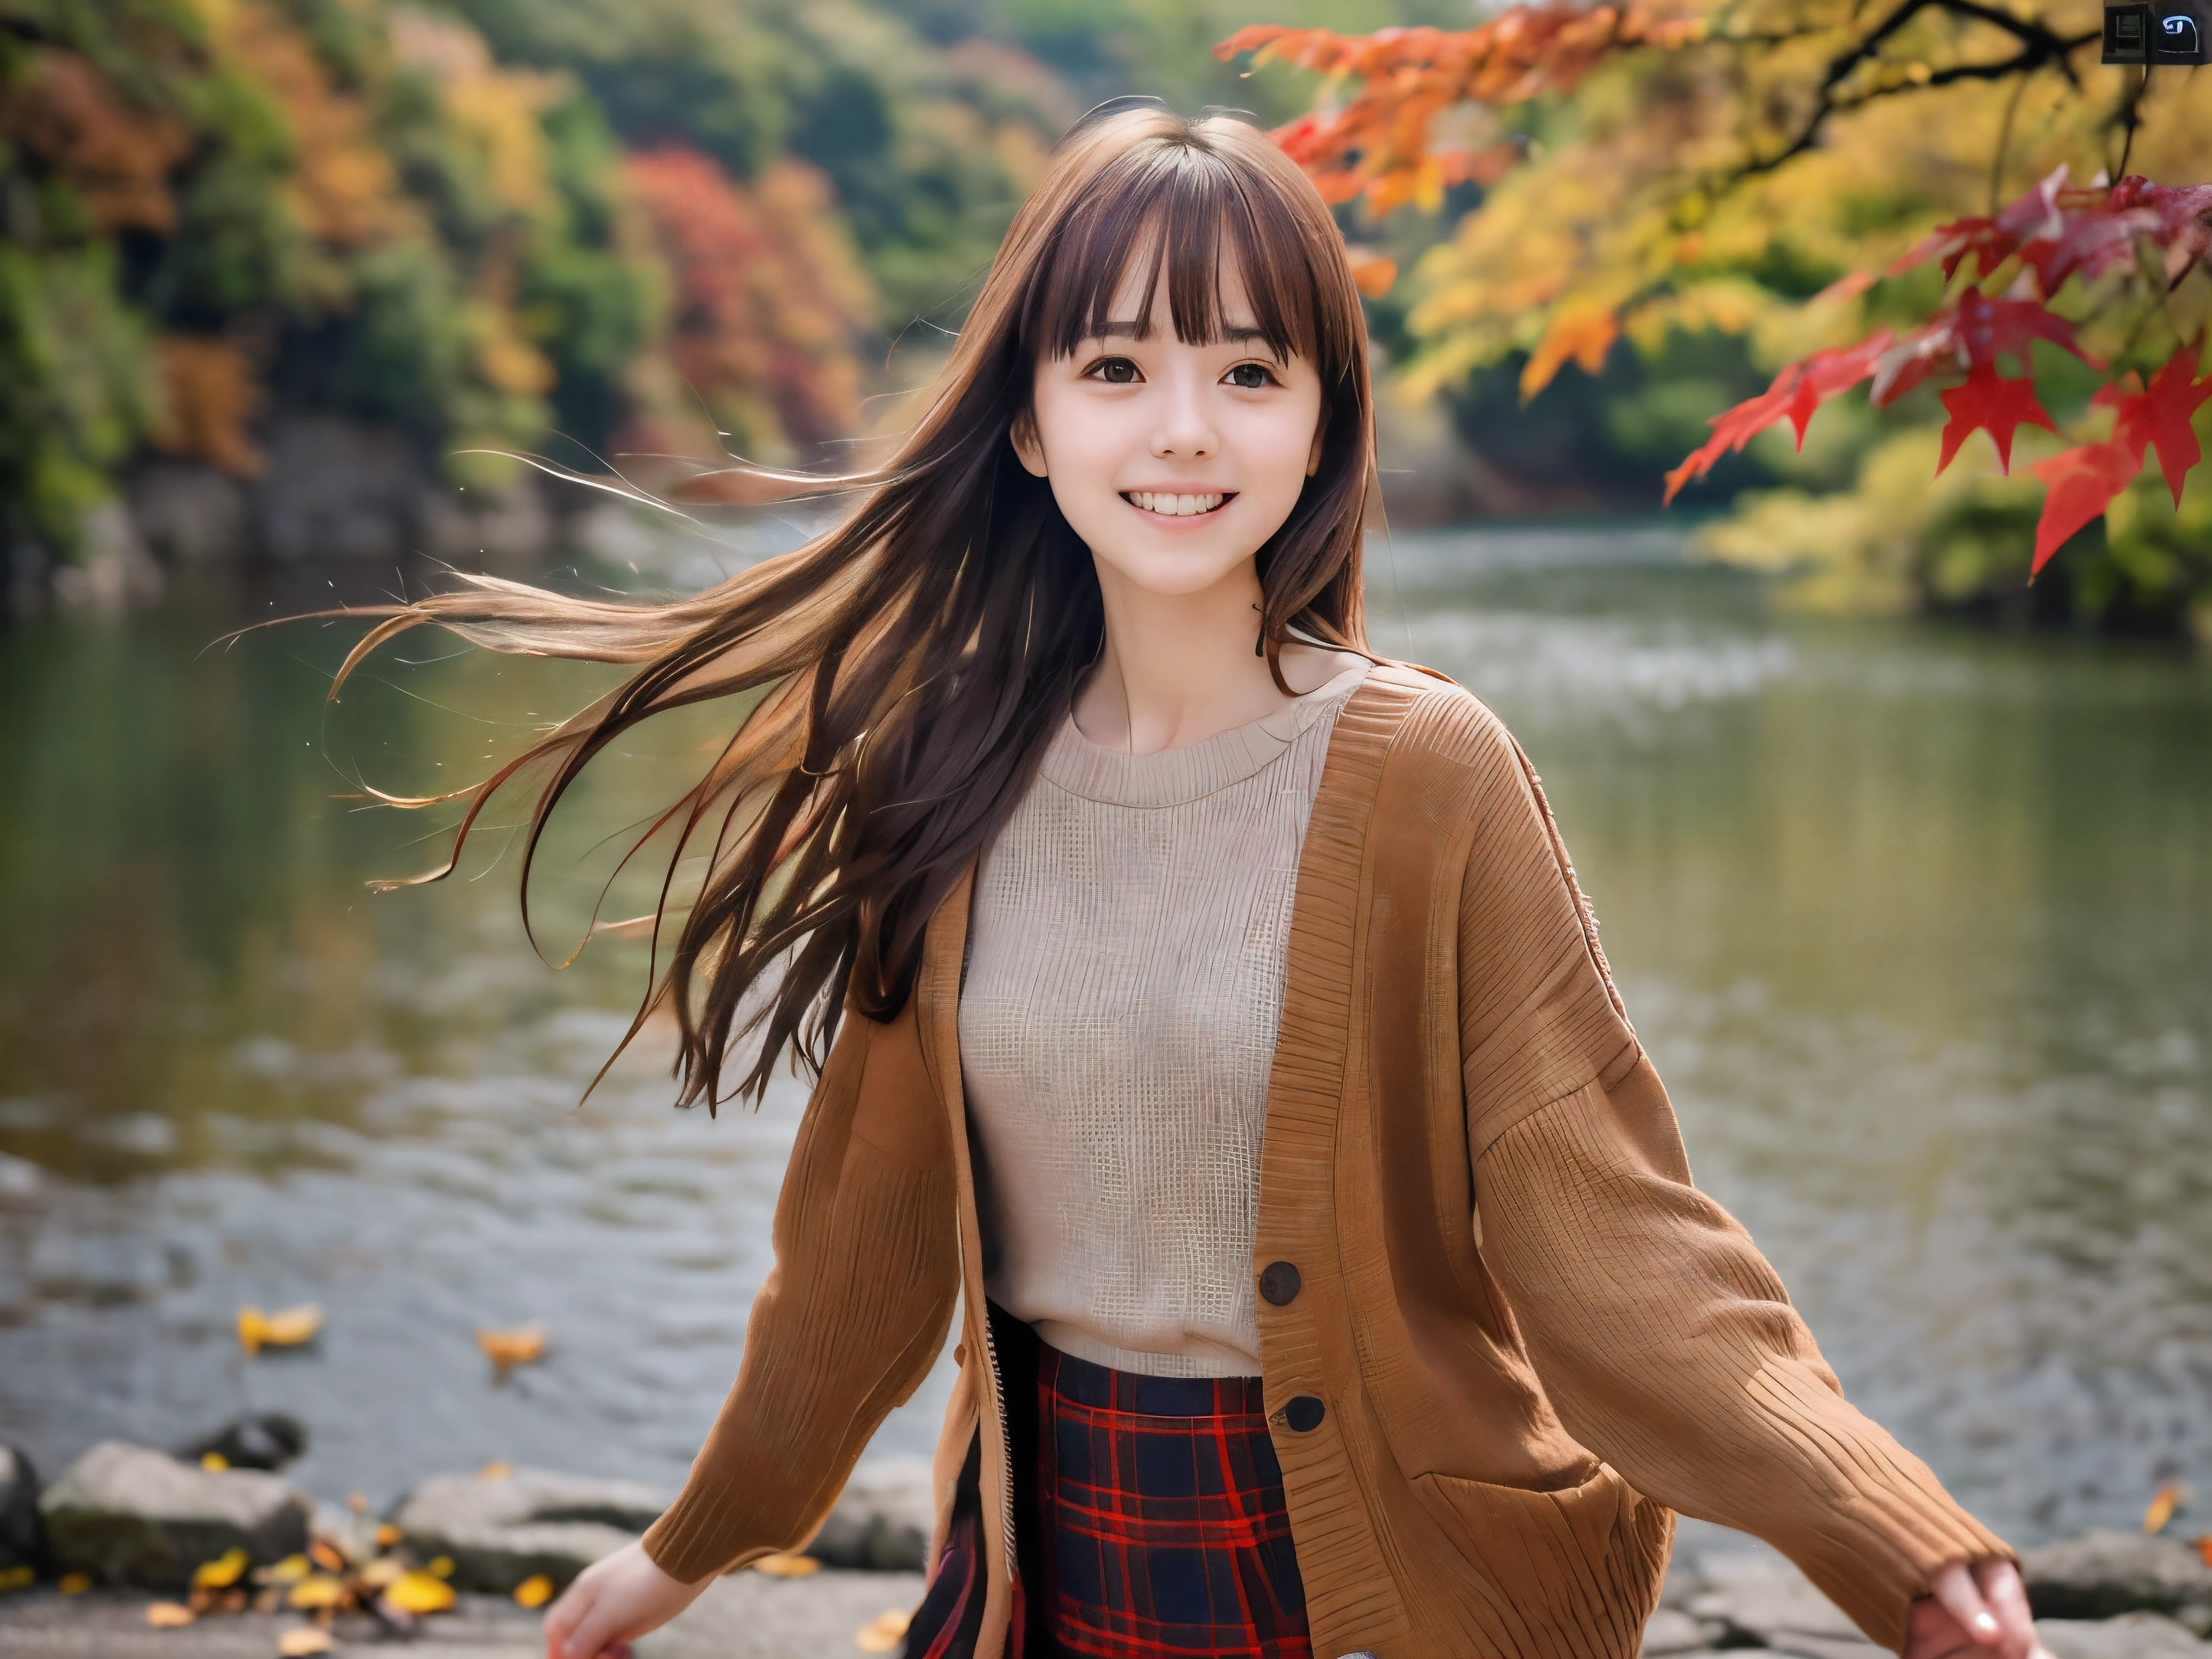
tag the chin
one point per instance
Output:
(1173, 574)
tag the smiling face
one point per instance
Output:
(1173, 462)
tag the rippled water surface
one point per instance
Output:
(1917, 923)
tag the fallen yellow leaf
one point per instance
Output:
(418, 1592)
(534, 1591)
(787, 1567)
(168, 1615)
(214, 1462)
(508, 1349)
(326, 1555)
(379, 1573)
(2162, 1507)
(20, 1576)
(290, 1571)
(302, 1641)
(441, 1566)
(316, 1591)
(2204, 1548)
(288, 1329)
(222, 1572)
(495, 1471)
(74, 1584)
(884, 1632)
(386, 1536)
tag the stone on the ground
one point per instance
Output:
(131, 1514)
(21, 1535)
(749, 1615)
(259, 1440)
(2102, 1574)
(2132, 1635)
(882, 1519)
(1672, 1631)
(501, 1529)
(1760, 1600)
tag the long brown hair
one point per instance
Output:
(907, 668)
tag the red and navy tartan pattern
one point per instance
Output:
(1154, 1527)
(1163, 1529)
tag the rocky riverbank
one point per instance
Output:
(135, 1551)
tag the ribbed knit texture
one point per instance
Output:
(1118, 1020)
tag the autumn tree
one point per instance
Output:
(1950, 204)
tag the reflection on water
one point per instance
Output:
(1914, 922)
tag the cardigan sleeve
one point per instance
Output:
(851, 1318)
(1663, 1337)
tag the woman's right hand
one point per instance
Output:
(616, 1598)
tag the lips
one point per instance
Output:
(1169, 505)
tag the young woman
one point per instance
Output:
(1211, 1014)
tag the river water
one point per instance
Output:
(1917, 925)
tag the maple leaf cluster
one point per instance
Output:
(1378, 144)
(2049, 237)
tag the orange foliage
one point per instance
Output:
(207, 394)
(766, 303)
(1380, 143)
(117, 157)
(342, 185)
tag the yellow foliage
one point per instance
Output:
(2162, 1506)
(884, 1633)
(419, 1592)
(497, 108)
(534, 1591)
(317, 1591)
(524, 1344)
(291, 1328)
(290, 1571)
(222, 1572)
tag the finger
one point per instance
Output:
(1962, 1599)
(594, 1633)
(2005, 1596)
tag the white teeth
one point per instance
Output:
(1174, 506)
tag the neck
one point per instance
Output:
(1179, 668)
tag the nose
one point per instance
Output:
(1186, 430)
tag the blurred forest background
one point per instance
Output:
(273, 273)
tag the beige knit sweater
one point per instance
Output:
(1116, 1028)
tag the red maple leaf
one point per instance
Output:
(2080, 484)
(1797, 391)
(1990, 403)
(2159, 417)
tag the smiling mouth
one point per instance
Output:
(1168, 505)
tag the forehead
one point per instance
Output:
(1127, 312)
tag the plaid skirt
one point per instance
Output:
(1153, 1522)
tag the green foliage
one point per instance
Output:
(73, 386)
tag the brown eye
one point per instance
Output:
(1249, 377)
(1115, 371)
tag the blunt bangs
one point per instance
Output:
(1178, 210)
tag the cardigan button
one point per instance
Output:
(1280, 1283)
(1304, 1413)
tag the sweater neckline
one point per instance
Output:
(1172, 776)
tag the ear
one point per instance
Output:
(1028, 445)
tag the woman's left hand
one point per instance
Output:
(1976, 1609)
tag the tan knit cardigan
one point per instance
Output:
(1519, 1337)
